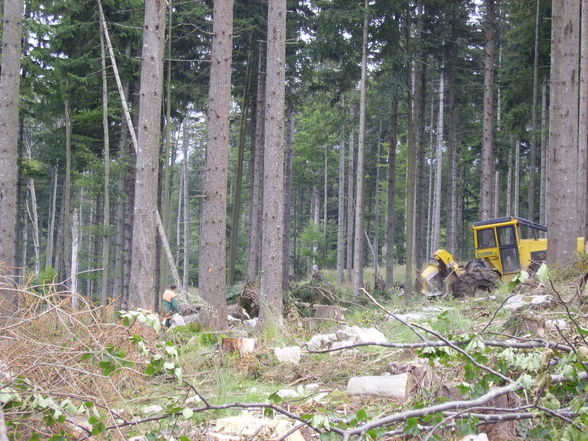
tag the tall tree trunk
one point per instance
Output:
(438, 166)
(256, 191)
(212, 256)
(64, 243)
(452, 147)
(543, 177)
(509, 186)
(517, 179)
(236, 208)
(315, 210)
(166, 152)
(9, 127)
(142, 283)
(350, 195)
(533, 148)
(377, 206)
(341, 210)
(487, 166)
(75, 248)
(583, 126)
(411, 164)
(325, 201)
(391, 196)
(179, 215)
(106, 213)
(32, 210)
(51, 222)
(358, 254)
(562, 215)
(273, 197)
(431, 167)
(288, 177)
(496, 194)
(186, 202)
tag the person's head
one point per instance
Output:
(173, 287)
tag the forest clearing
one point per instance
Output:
(509, 365)
(293, 220)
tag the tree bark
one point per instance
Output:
(236, 208)
(32, 210)
(533, 147)
(543, 177)
(256, 191)
(186, 200)
(51, 223)
(583, 125)
(411, 169)
(377, 206)
(341, 210)
(487, 165)
(350, 195)
(288, 177)
(358, 253)
(391, 196)
(142, 283)
(9, 127)
(509, 185)
(517, 179)
(452, 147)
(106, 207)
(273, 197)
(212, 256)
(438, 167)
(563, 214)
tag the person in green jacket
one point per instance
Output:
(170, 303)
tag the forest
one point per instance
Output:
(293, 165)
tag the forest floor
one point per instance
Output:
(70, 374)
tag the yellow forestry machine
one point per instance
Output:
(500, 251)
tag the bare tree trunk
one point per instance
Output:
(411, 166)
(350, 195)
(509, 186)
(438, 166)
(358, 254)
(562, 216)
(341, 210)
(391, 193)
(256, 192)
(583, 125)
(517, 179)
(533, 148)
(543, 177)
(212, 256)
(106, 208)
(325, 201)
(236, 208)
(377, 206)
(9, 127)
(288, 176)
(431, 167)
(496, 194)
(32, 211)
(179, 217)
(273, 197)
(186, 200)
(452, 147)
(75, 248)
(487, 165)
(66, 215)
(51, 223)
(143, 261)
(315, 210)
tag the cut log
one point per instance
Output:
(394, 387)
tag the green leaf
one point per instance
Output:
(107, 367)
(542, 273)
(361, 415)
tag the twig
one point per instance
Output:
(291, 431)
(496, 312)
(465, 354)
(565, 305)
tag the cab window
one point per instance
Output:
(486, 238)
(506, 236)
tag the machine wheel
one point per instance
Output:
(476, 278)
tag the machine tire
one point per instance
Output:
(476, 278)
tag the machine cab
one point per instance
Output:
(509, 244)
